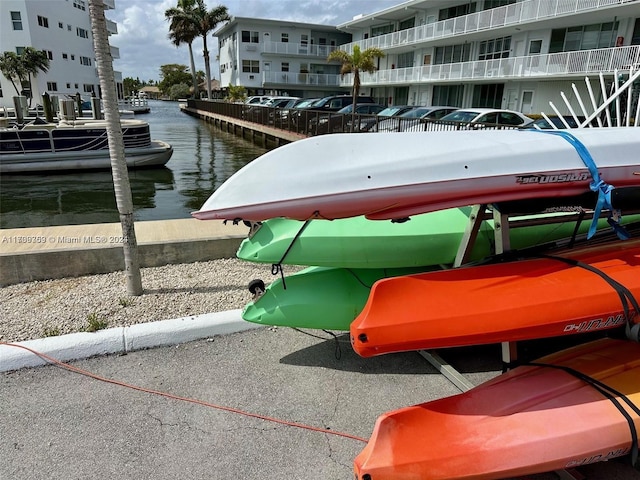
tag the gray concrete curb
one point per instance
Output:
(76, 346)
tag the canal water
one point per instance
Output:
(203, 158)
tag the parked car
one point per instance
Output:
(558, 122)
(474, 117)
(340, 121)
(373, 124)
(332, 103)
(414, 119)
(257, 99)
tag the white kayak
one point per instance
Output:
(396, 175)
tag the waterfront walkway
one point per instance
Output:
(42, 253)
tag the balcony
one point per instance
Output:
(112, 27)
(295, 79)
(558, 65)
(297, 49)
(509, 15)
(115, 52)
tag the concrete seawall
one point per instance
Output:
(43, 253)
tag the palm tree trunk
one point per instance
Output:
(194, 77)
(121, 185)
(207, 67)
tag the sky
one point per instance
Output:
(142, 28)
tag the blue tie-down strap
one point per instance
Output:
(597, 185)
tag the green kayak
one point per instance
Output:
(428, 239)
(326, 298)
(330, 298)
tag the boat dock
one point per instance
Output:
(42, 253)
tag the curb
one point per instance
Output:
(75, 346)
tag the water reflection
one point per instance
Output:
(204, 157)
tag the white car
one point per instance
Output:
(491, 116)
(414, 120)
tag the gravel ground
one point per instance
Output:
(57, 307)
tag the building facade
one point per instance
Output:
(280, 57)
(516, 54)
(61, 28)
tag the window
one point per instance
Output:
(452, 54)
(457, 11)
(583, 37)
(88, 88)
(81, 32)
(250, 37)
(251, 66)
(381, 30)
(85, 61)
(68, 86)
(496, 48)
(69, 27)
(405, 60)
(79, 4)
(284, 38)
(447, 95)
(49, 54)
(535, 47)
(16, 20)
(489, 96)
(19, 50)
(43, 21)
(285, 66)
(65, 56)
(73, 57)
(52, 86)
(60, 25)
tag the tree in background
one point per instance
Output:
(173, 74)
(236, 93)
(179, 90)
(131, 85)
(183, 31)
(34, 61)
(12, 68)
(204, 21)
(355, 63)
(19, 69)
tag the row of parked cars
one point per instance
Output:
(335, 113)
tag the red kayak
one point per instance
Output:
(518, 300)
(529, 420)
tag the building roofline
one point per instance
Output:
(234, 20)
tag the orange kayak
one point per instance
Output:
(529, 420)
(519, 300)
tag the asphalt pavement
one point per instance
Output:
(58, 424)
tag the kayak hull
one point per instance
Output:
(428, 239)
(318, 297)
(526, 299)
(393, 175)
(529, 420)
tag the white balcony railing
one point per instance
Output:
(605, 60)
(300, 79)
(514, 14)
(292, 49)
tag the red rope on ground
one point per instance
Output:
(86, 373)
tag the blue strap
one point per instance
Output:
(597, 185)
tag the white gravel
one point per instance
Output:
(57, 307)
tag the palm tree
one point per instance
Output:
(12, 68)
(203, 21)
(34, 61)
(182, 31)
(355, 63)
(124, 201)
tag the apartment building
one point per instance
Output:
(62, 28)
(280, 57)
(516, 54)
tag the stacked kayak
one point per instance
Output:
(384, 283)
(354, 253)
(573, 292)
(551, 416)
